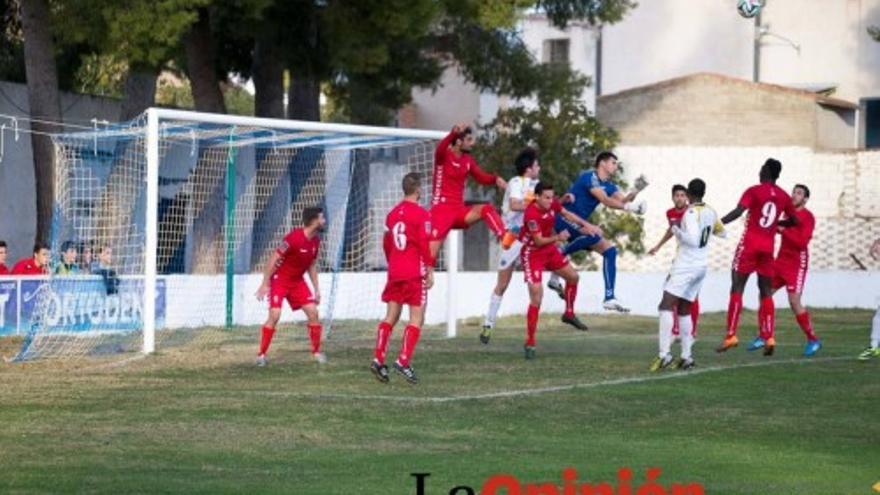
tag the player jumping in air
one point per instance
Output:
(540, 253)
(873, 350)
(283, 278)
(452, 164)
(685, 279)
(790, 267)
(765, 203)
(519, 194)
(589, 190)
(673, 216)
(410, 275)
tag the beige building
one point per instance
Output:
(715, 110)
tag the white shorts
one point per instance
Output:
(685, 283)
(510, 257)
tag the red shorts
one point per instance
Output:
(747, 260)
(447, 217)
(791, 275)
(410, 291)
(297, 293)
(536, 260)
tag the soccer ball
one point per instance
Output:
(749, 8)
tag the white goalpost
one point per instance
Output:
(191, 205)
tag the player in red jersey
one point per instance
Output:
(410, 275)
(3, 269)
(540, 253)
(765, 202)
(792, 262)
(38, 264)
(283, 278)
(452, 164)
(673, 216)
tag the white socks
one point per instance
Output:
(875, 330)
(665, 333)
(686, 332)
(494, 304)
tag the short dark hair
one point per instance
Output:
(601, 157)
(540, 187)
(2, 243)
(464, 132)
(39, 246)
(525, 160)
(311, 213)
(411, 183)
(804, 188)
(773, 167)
(678, 187)
(67, 245)
(696, 188)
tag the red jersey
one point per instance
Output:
(450, 173)
(3, 269)
(407, 231)
(796, 239)
(674, 215)
(538, 221)
(27, 266)
(765, 202)
(297, 254)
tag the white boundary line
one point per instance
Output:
(667, 375)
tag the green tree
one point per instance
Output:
(567, 138)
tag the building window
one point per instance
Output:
(872, 123)
(556, 51)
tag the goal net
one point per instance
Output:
(175, 214)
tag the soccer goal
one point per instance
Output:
(180, 211)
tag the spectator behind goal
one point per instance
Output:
(103, 268)
(3, 269)
(36, 265)
(67, 265)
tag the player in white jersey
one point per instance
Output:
(686, 276)
(519, 193)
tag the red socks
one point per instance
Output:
(492, 220)
(315, 336)
(734, 308)
(410, 339)
(766, 318)
(531, 324)
(266, 339)
(571, 291)
(695, 315)
(383, 334)
(806, 325)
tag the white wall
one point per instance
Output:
(661, 40)
(197, 301)
(18, 204)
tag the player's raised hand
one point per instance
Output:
(567, 198)
(262, 292)
(501, 183)
(641, 183)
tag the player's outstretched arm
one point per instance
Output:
(443, 146)
(268, 270)
(733, 215)
(666, 236)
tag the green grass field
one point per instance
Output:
(201, 418)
